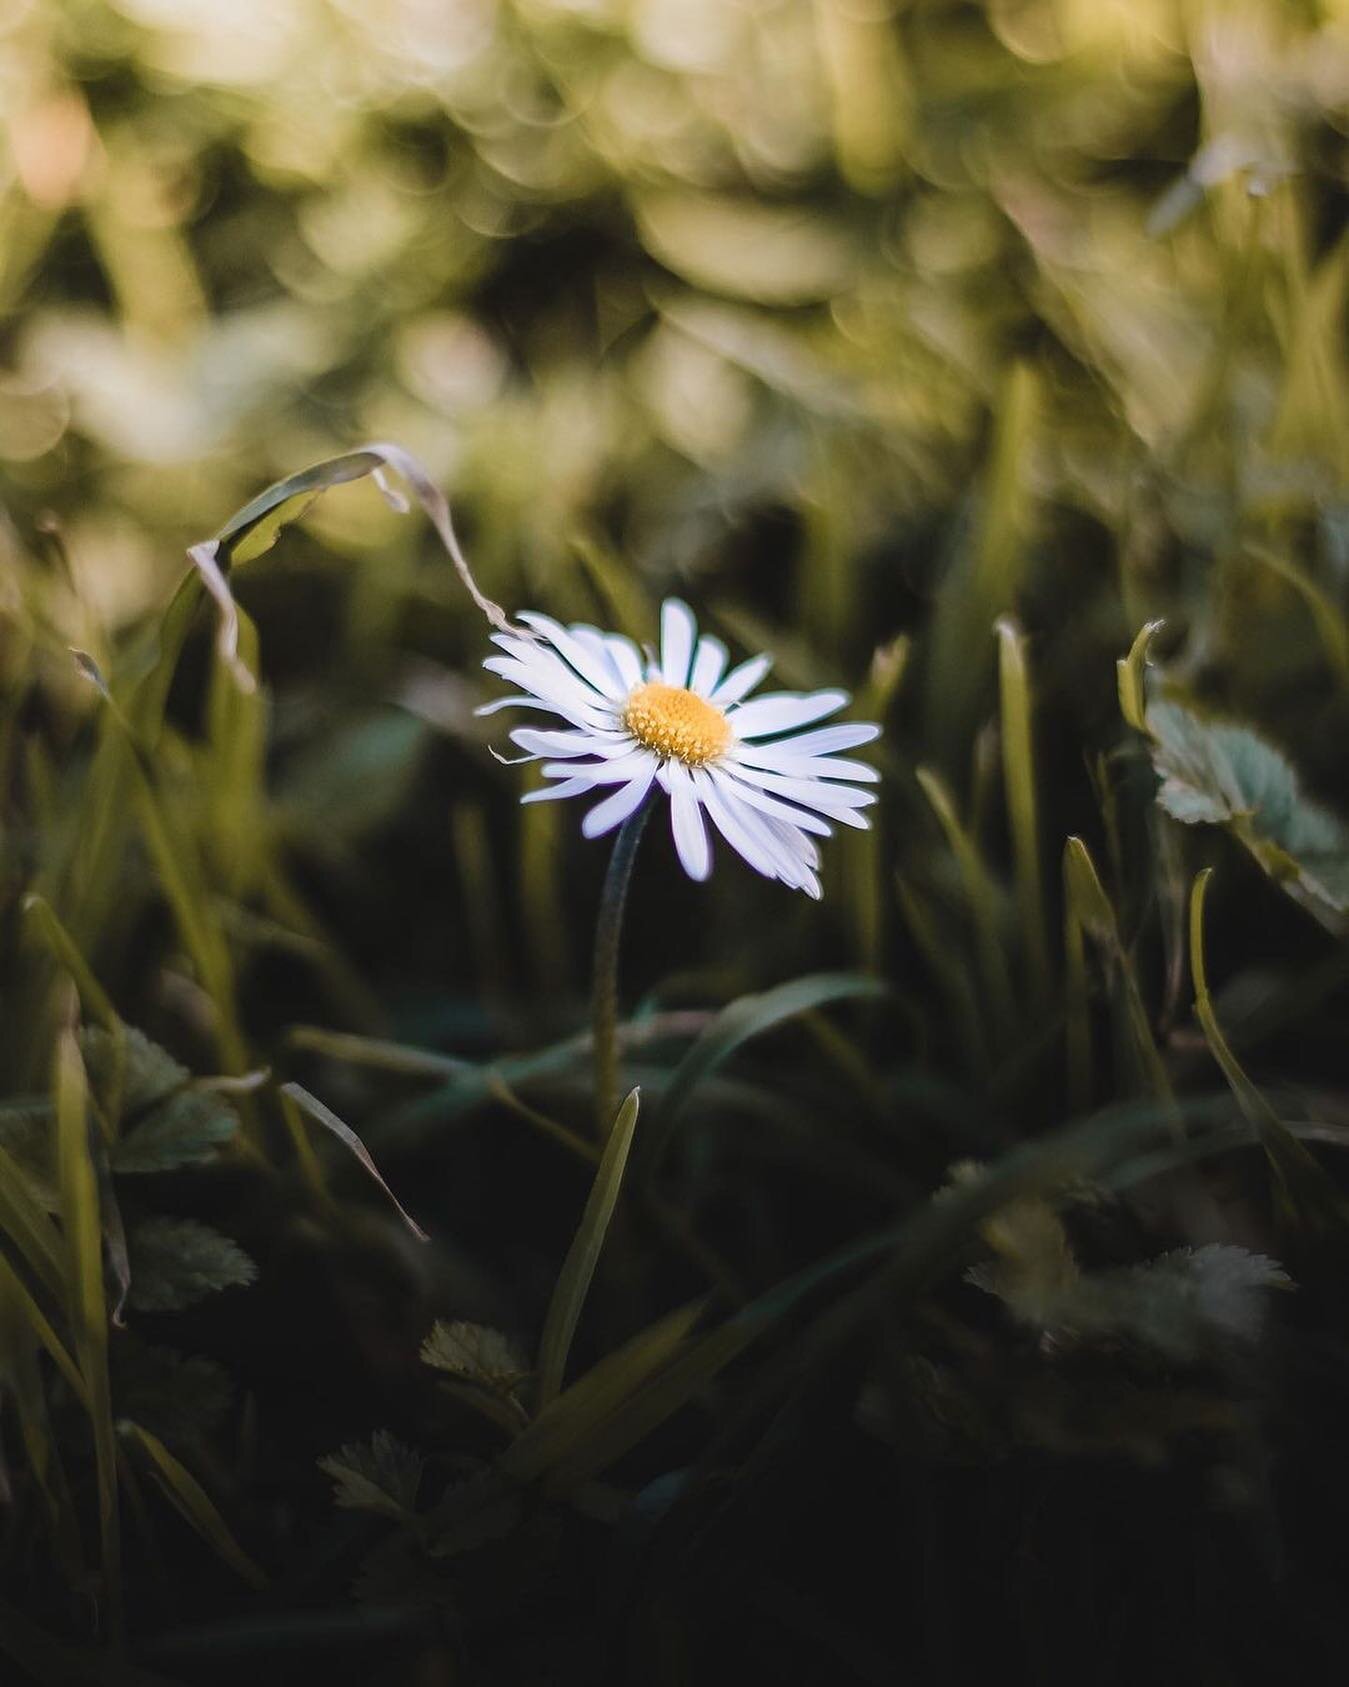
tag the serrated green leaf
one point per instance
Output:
(183, 1397)
(185, 1129)
(474, 1352)
(1220, 773)
(151, 1072)
(380, 1475)
(176, 1261)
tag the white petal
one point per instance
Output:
(572, 743)
(742, 680)
(761, 800)
(598, 672)
(614, 810)
(567, 788)
(594, 641)
(678, 629)
(735, 822)
(778, 758)
(801, 855)
(827, 740)
(709, 662)
(614, 772)
(687, 823)
(499, 703)
(839, 802)
(626, 658)
(783, 711)
(792, 852)
(554, 683)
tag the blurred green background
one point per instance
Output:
(935, 347)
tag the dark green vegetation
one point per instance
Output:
(972, 1279)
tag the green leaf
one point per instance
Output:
(1219, 773)
(184, 1398)
(177, 1261)
(380, 1475)
(150, 1072)
(474, 1353)
(573, 1283)
(185, 1129)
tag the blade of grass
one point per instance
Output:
(322, 1115)
(1305, 1187)
(1094, 913)
(568, 1417)
(747, 1017)
(578, 1269)
(83, 1225)
(1131, 677)
(191, 1501)
(1018, 765)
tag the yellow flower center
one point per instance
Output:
(675, 722)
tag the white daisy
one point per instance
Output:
(683, 723)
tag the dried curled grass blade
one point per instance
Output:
(321, 1115)
(256, 527)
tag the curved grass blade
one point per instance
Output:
(1131, 675)
(191, 1501)
(748, 1016)
(256, 527)
(578, 1269)
(1304, 1185)
(321, 1115)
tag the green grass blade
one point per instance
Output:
(578, 1269)
(1305, 1187)
(1131, 674)
(83, 1225)
(1018, 764)
(192, 1502)
(570, 1416)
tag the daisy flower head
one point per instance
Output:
(679, 722)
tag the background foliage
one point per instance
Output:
(974, 1277)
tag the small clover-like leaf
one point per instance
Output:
(474, 1353)
(176, 1261)
(1221, 773)
(184, 1129)
(380, 1475)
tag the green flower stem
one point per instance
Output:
(608, 931)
